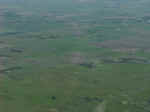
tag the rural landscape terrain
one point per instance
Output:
(74, 56)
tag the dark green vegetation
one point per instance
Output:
(74, 56)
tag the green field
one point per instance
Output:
(74, 56)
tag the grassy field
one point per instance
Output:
(74, 56)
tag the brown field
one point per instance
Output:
(125, 45)
(77, 58)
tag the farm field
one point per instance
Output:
(74, 56)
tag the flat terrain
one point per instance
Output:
(75, 56)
